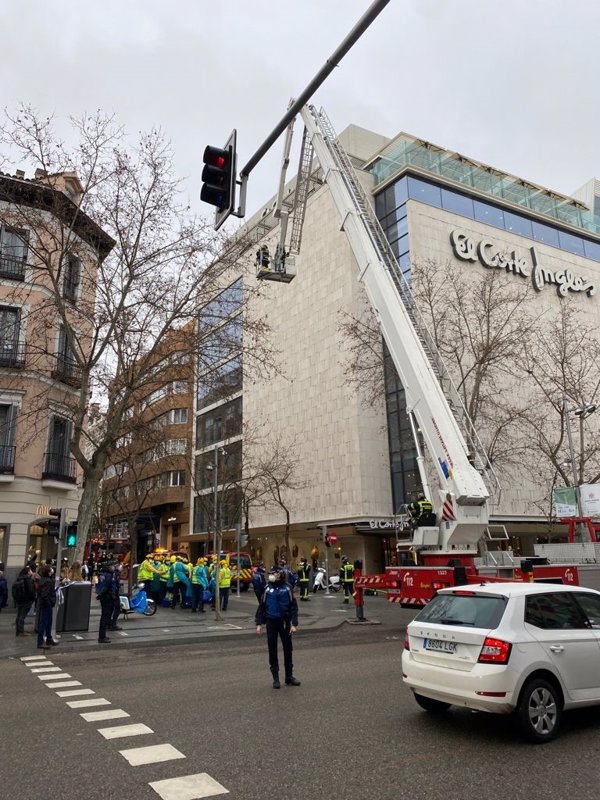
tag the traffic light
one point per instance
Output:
(71, 535)
(55, 522)
(219, 179)
(325, 537)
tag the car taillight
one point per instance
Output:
(495, 651)
(406, 642)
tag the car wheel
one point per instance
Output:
(433, 706)
(539, 711)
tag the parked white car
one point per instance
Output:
(528, 648)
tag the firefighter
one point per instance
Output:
(224, 585)
(263, 259)
(199, 586)
(347, 579)
(422, 512)
(304, 579)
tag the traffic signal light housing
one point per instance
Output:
(325, 537)
(55, 523)
(219, 178)
(71, 535)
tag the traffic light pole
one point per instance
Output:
(324, 537)
(332, 62)
(59, 549)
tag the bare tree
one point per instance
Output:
(152, 280)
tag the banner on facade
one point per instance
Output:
(565, 501)
(590, 499)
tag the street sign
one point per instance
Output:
(333, 538)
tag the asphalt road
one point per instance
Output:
(351, 731)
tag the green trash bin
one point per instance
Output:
(74, 613)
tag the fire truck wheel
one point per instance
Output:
(433, 706)
(539, 710)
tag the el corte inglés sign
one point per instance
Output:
(490, 256)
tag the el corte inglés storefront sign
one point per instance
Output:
(490, 256)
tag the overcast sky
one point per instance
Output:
(513, 83)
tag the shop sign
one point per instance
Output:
(466, 248)
(382, 524)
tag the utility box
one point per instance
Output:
(74, 613)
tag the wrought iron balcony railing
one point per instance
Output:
(12, 267)
(12, 353)
(67, 371)
(59, 467)
(7, 459)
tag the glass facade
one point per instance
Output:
(406, 151)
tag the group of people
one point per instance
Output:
(176, 581)
(35, 589)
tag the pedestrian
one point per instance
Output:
(290, 577)
(46, 600)
(278, 610)
(224, 585)
(347, 579)
(146, 572)
(23, 593)
(258, 581)
(304, 579)
(105, 593)
(199, 586)
(116, 612)
(180, 582)
(164, 572)
(85, 572)
(3, 591)
(75, 573)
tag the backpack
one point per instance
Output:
(20, 592)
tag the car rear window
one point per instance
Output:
(476, 610)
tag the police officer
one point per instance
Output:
(347, 579)
(304, 579)
(279, 611)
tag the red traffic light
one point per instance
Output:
(219, 179)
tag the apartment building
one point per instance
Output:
(49, 255)
(146, 486)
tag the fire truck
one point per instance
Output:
(446, 553)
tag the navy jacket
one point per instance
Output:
(278, 602)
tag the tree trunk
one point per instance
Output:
(85, 513)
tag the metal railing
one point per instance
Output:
(60, 467)
(12, 353)
(67, 371)
(12, 267)
(7, 459)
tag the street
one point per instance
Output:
(351, 731)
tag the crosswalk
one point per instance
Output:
(184, 787)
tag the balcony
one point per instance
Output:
(60, 468)
(12, 267)
(7, 459)
(67, 371)
(12, 353)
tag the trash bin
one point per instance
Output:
(74, 613)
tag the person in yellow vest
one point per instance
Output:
(199, 586)
(146, 572)
(224, 584)
(163, 570)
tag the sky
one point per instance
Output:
(512, 83)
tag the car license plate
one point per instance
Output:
(440, 645)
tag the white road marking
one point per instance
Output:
(122, 633)
(74, 692)
(63, 684)
(96, 701)
(75, 636)
(190, 787)
(151, 755)
(118, 731)
(55, 676)
(98, 716)
(46, 669)
(34, 658)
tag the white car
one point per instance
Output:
(528, 648)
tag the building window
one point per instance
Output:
(59, 464)
(10, 321)
(66, 369)
(221, 382)
(177, 477)
(176, 447)
(8, 415)
(178, 416)
(221, 307)
(13, 252)
(72, 277)
(223, 422)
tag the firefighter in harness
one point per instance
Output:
(421, 512)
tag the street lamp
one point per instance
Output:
(582, 411)
(214, 468)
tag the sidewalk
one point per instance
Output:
(178, 626)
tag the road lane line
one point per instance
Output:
(118, 731)
(189, 787)
(63, 684)
(54, 677)
(96, 701)
(45, 669)
(98, 716)
(74, 692)
(151, 754)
